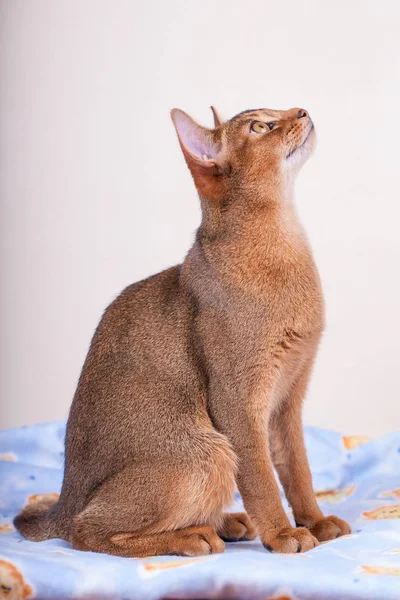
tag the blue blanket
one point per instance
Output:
(354, 477)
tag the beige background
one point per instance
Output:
(95, 194)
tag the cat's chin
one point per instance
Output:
(305, 144)
(300, 154)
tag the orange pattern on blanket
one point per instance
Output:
(335, 495)
(8, 456)
(6, 528)
(392, 494)
(282, 598)
(39, 497)
(283, 594)
(171, 564)
(378, 570)
(353, 441)
(383, 512)
(12, 584)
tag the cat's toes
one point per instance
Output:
(236, 527)
(330, 528)
(196, 541)
(290, 540)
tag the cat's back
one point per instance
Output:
(150, 293)
(144, 327)
(140, 346)
(147, 305)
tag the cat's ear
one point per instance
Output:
(218, 120)
(201, 151)
(197, 142)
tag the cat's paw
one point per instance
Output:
(330, 528)
(236, 527)
(290, 540)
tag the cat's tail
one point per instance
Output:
(38, 521)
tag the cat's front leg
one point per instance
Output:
(242, 418)
(290, 460)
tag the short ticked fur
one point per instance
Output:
(195, 377)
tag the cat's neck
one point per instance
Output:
(252, 242)
(254, 220)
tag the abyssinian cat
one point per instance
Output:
(195, 377)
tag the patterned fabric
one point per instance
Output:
(355, 478)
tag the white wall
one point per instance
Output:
(95, 194)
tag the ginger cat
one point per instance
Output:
(195, 377)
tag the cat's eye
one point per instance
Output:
(260, 127)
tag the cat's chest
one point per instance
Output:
(293, 296)
(283, 286)
(254, 308)
(280, 320)
(283, 298)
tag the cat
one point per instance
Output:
(195, 377)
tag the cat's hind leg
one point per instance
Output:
(189, 541)
(161, 507)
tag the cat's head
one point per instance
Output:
(256, 149)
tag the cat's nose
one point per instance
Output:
(302, 113)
